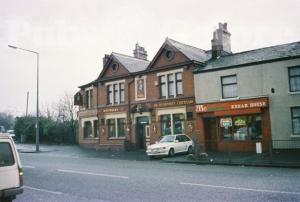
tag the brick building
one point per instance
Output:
(134, 101)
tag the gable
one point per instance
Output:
(168, 55)
(113, 68)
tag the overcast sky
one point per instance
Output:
(72, 37)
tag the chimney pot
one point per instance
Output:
(140, 52)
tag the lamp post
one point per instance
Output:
(37, 95)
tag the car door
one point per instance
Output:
(180, 143)
(186, 142)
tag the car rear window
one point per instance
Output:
(6, 155)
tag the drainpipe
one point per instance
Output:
(129, 106)
(97, 107)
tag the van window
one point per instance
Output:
(6, 155)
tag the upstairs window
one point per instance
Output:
(171, 84)
(296, 120)
(229, 86)
(294, 78)
(115, 93)
(162, 85)
(89, 99)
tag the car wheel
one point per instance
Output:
(151, 157)
(171, 152)
(190, 150)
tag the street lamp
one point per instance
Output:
(37, 95)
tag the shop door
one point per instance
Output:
(141, 123)
(210, 133)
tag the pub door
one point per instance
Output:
(141, 123)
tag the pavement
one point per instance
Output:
(279, 158)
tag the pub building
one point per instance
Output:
(134, 102)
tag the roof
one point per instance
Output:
(132, 64)
(253, 56)
(190, 52)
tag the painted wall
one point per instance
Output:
(253, 81)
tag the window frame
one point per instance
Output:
(162, 85)
(178, 81)
(292, 119)
(117, 124)
(292, 76)
(228, 84)
(109, 92)
(116, 92)
(165, 85)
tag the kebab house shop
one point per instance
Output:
(238, 125)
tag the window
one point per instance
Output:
(172, 124)
(89, 99)
(96, 128)
(116, 127)
(122, 93)
(111, 127)
(170, 85)
(115, 93)
(109, 95)
(162, 84)
(241, 128)
(229, 86)
(296, 120)
(178, 79)
(6, 155)
(88, 133)
(294, 77)
(169, 54)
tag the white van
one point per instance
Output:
(11, 172)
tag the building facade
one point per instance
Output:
(134, 102)
(249, 97)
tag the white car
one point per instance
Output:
(169, 145)
(11, 173)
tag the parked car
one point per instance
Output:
(11, 172)
(169, 145)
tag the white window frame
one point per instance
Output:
(116, 117)
(118, 89)
(170, 112)
(89, 93)
(174, 83)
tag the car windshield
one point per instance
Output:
(168, 138)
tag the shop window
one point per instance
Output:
(89, 99)
(116, 127)
(172, 124)
(121, 127)
(178, 123)
(96, 128)
(166, 124)
(162, 86)
(294, 78)
(241, 128)
(111, 127)
(229, 86)
(88, 133)
(296, 120)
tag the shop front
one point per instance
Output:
(234, 125)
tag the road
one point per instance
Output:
(54, 177)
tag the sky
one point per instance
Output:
(72, 37)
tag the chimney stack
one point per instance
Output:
(221, 41)
(139, 52)
(105, 59)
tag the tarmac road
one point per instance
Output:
(51, 176)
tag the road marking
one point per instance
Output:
(89, 173)
(28, 167)
(43, 190)
(240, 188)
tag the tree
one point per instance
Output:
(7, 120)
